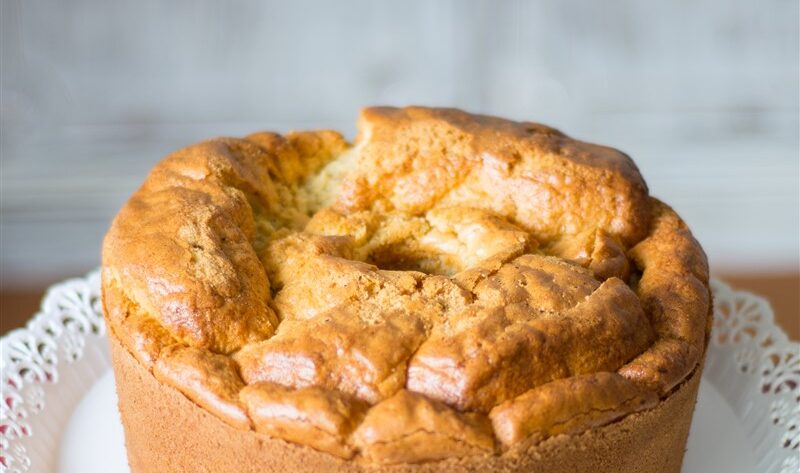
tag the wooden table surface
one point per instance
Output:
(782, 290)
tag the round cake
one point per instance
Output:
(451, 293)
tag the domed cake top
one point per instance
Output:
(453, 281)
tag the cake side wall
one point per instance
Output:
(167, 433)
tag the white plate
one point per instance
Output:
(59, 407)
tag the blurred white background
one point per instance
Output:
(703, 94)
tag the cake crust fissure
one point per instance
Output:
(450, 286)
(165, 432)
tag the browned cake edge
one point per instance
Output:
(167, 433)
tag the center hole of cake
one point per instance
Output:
(399, 258)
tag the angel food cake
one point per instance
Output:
(451, 293)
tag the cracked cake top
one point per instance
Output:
(452, 284)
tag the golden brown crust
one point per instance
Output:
(208, 379)
(486, 356)
(533, 175)
(144, 336)
(167, 433)
(409, 428)
(448, 263)
(596, 250)
(674, 291)
(313, 416)
(184, 244)
(568, 406)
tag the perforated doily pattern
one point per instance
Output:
(750, 361)
(757, 369)
(33, 359)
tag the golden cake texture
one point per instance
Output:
(452, 292)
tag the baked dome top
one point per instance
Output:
(451, 285)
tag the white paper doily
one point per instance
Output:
(750, 363)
